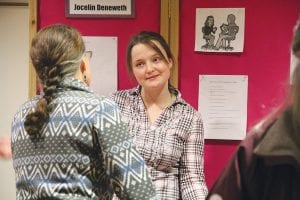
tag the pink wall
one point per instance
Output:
(147, 17)
(266, 58)
(268, 31)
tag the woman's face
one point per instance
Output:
(210, 21)
(149, 67)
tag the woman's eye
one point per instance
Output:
(139, 65)
(156, 59)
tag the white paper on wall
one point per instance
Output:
(223, 106)
(103, 61)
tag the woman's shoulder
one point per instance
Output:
(186, 112)
(30, 103)
(102, 100)
(184, 106)
(122, 95)
(83, 98)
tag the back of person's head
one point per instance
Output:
(56, 52)
(231, 18)
(148, 38)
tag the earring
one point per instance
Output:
(84, 78)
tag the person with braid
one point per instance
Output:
(68, 142)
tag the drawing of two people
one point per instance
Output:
(227, 34)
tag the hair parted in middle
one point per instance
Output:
(148, 38)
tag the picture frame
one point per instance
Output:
(220, 30)
(100, 8)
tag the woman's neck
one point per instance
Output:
(157, 98)
(156, 103)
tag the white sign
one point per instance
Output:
(103, 60)
(100, 8)
(223, 106)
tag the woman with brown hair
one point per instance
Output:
(167, 131)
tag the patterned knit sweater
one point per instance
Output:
(83, 151)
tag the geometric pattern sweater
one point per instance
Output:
(82, 152)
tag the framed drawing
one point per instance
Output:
(220, 29)
(100, 8)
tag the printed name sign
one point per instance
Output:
(100, 8)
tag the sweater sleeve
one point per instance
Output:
(125, 167)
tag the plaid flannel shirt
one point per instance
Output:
(172, 146)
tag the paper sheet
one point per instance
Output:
(223, 106)
(103, 63)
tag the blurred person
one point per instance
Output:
(266, 165)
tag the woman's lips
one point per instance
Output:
(151, 77)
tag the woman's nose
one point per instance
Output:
(149, 67)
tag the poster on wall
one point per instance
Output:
(220, 30)
(103, 61)
(223, 106)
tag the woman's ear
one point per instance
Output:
(170, 63)
(85, 71)
(82, 66)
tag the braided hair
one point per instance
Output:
(56, 52)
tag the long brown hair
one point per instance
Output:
(56, 52)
